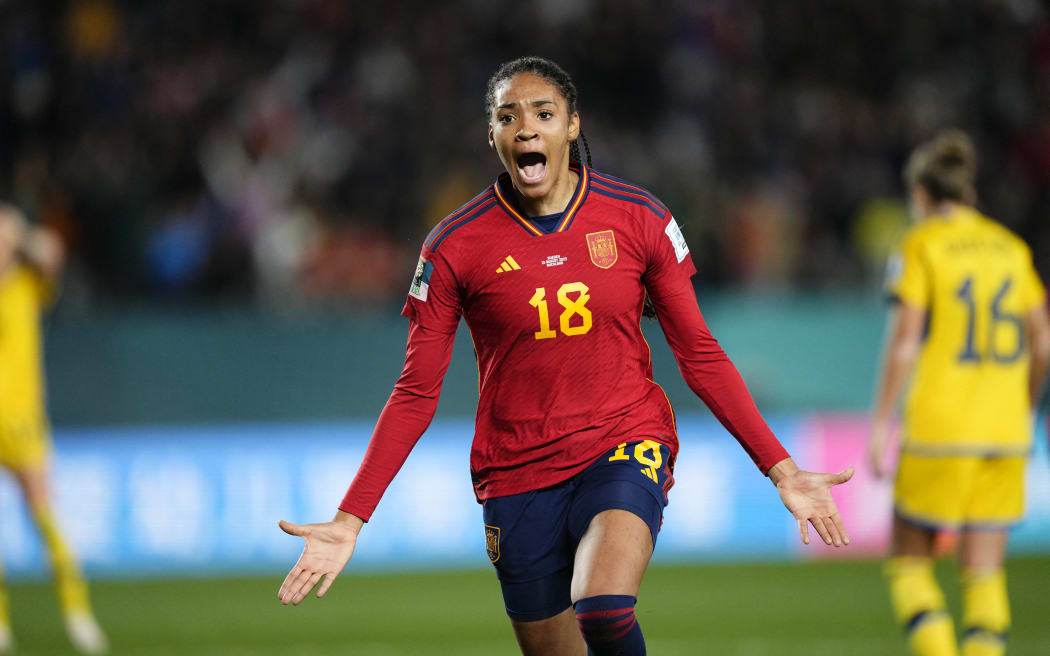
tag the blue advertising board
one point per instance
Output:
(206, 500)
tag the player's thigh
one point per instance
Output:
(554, 636)
(996, 501)
(982, 550)
(910, 539)
(529, 544)
(612, 555)
(617, 513)
(932, 492)
(25, 450)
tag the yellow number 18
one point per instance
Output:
(572, 308)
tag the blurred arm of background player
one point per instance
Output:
(1037, 324)
(902, 348)
(42, 249)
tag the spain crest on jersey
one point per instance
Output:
(492, 542)
(602, 248)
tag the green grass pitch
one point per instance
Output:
(731, 610)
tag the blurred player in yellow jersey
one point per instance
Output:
(970, 309)
(30, 259)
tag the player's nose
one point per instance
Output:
(526, 131)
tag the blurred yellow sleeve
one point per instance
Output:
(907, 277)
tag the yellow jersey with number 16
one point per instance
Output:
(975, 279)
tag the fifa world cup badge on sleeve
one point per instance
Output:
(674, 233)
(492, 542)
(602, 247)
(419, 286)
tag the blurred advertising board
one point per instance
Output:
(206, 500)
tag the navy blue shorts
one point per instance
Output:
(531, 537)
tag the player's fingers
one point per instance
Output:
(293, 586)
(803, 530)
(842, 476)
(287, 582)
(307, 586)
(822, 530)
(837, 519)
(325, 584)
(292, 529)
(833, 531)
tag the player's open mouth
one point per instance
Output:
(532, 167)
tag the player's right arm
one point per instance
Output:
(434, 310)
(904, 339)
(407, 414)
(908, 286)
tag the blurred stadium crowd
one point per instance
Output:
(297, 151)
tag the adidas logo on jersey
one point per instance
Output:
(508, 265)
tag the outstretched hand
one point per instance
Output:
(328, 548)
(808, 496)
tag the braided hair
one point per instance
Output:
(557, 76)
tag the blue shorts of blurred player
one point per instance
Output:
(531, 538)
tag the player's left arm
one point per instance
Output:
(711, 375)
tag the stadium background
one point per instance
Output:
(244, 187)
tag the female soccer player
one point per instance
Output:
(971, 309)
(574, 444)
(30, 260)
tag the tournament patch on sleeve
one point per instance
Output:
(674, 233)
(420, 284)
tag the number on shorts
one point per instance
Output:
(640, 450)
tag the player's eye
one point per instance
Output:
(544, 115)
(505, 118)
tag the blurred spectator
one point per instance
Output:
(298, 151)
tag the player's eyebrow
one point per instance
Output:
(535, 103)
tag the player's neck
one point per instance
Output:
(945, 209)
(556, 200)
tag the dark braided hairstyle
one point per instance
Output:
(557, 76)
(554, 74)
(574, 149)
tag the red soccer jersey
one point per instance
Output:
(564, 371)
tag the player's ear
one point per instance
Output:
(574, 126)
(492, 143)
